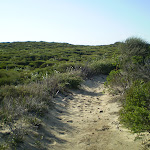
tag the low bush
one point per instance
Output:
(9, 77)
(132, 75)
(64, 67)
(136, 110)
(32, 73)
(34, 98)
(71, 79)
(118, 80)
(101, 67)
(22, 100)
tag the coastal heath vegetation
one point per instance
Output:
(132, 79)
(33, 73)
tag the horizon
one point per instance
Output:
(80, 22)
(61, 43)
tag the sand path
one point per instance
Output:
(84, 119)
(88, 120)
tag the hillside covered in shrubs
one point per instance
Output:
(23, 62)
(32, 73)
(132, 78)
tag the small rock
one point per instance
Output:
(101, 111)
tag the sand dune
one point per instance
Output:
(83, 119)
(88, 120)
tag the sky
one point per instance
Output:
(79, 22)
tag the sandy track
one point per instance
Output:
(88, 120)
(84, 119)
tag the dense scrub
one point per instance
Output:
(136, 111)
(32, 73)
(23, 62)
(132, 77)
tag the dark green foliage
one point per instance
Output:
(134, 47)
(71, 80)
(101, 67)
(132, 76)
(12, 91)
(136, 111)
(65, 66)
(133, 62)
(3, 146)
(114, 78)
(32, 73)
(44, 57)
(47, 64)
(135, 56)
(9, 77)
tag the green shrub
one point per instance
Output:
(133, 62)
(4, 147)
(9, 77)
(114, 78)
(136, 111)
(136, 118)
(14, 92)
(133, 75)
(101, 67)
(134, 47)
(36, 64)
(70, 79)
(64, 66)
(134, 53)
(46, 64)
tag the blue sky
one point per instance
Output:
(85, 22)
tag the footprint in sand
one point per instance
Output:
(62, 133)
(52, 142)
(91, 123)
(70, 121)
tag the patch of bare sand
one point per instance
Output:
(92, 116)
(84, 119)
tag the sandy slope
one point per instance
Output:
(84, 119)
(90, 121)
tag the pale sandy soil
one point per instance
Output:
(84, 119)
(92, 116)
